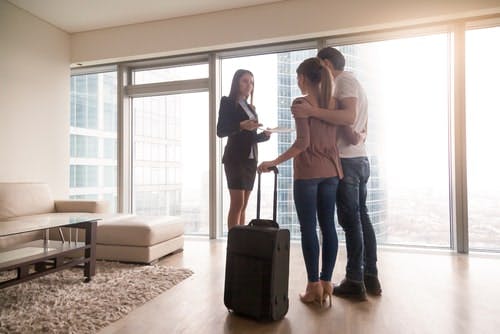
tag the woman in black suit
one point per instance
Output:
(238, 121)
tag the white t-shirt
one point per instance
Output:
(346, 85)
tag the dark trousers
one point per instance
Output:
(353, 216)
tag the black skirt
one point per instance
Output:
(241, 175)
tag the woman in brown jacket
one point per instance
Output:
(317, 170)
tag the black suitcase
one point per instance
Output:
(257, 265)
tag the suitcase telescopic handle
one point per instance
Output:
(275, 194)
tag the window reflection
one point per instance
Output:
(170, 158)
(407, 84)
(483, 117)
(93, 137)
(184, 72)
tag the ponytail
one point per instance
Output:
(325, 85)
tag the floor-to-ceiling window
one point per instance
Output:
(409, 82)
(407, 85)
(170, 146)
(275, 82)
(93, 137)
(483, 117)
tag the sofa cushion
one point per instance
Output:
(73, 205)
(22, 199)
(139, 254)
(139, 230)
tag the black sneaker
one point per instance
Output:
(350, 289)
(372, 285)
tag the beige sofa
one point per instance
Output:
(120, 237)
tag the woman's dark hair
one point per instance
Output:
(334, 56)
(319, 77)
(235, 85)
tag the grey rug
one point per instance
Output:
(63, 303)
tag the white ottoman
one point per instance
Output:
(142, 239)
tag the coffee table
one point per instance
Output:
(42, 257)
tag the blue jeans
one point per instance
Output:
(353, 216)
(316, 197)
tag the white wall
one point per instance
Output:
(34, 100)
(276, 22)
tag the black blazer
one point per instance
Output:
(239, 141)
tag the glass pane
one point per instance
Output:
(407, 84)
(184, 72)
(275, 88)
(170, 158)
(93, 137)
(483, 117)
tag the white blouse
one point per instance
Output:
(251, 116)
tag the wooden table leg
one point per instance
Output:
(90, 252)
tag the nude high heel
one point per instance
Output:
(313, 294)
(327, 292)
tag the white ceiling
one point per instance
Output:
(82, 15)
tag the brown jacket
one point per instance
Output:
(318, 142)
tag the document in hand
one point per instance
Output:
(277, 129)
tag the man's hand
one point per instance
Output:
(352, 137)
(301, 110)
(249, 125)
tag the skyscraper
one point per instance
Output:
(287, 91)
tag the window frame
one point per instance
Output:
(457, 139)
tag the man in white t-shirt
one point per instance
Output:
(352, 115)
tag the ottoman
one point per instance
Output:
(142, 239)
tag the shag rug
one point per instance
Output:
(62, 303)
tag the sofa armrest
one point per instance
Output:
(89, 206)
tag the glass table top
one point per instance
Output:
(36, 223)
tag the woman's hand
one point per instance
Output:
(249, 125)
(264, 166)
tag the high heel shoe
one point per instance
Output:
(313, 294)
(327, 292)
